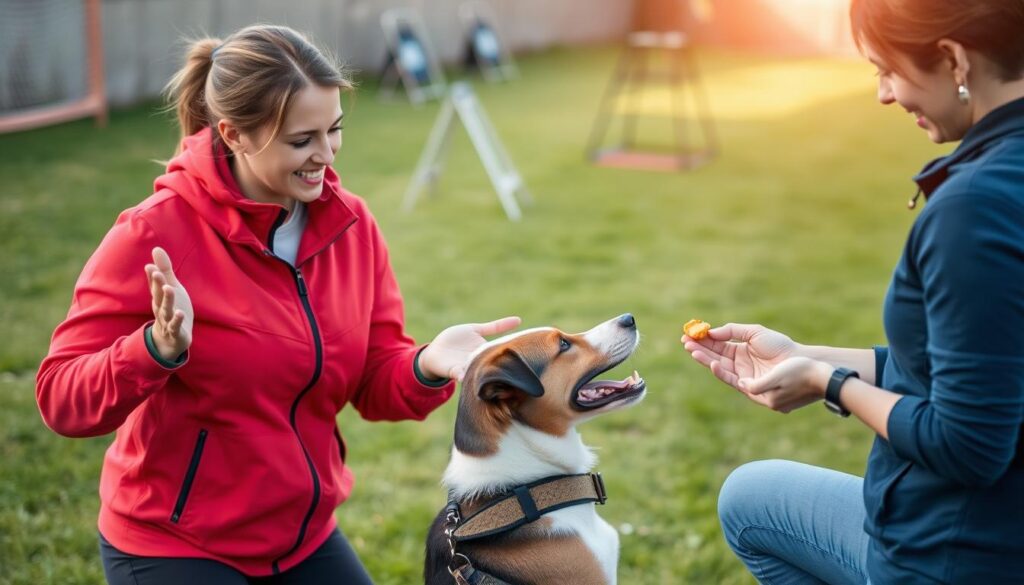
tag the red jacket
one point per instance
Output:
(235, 455)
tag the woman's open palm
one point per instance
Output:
(446, 356)
(172, 307)
(735, 351)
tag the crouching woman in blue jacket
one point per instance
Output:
(942, 500)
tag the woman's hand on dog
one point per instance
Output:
(448, 353)
(172, 307)
(735, 351)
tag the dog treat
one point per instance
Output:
(696, 329)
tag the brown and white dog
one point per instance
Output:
(522, 397)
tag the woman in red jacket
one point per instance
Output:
(224, 374)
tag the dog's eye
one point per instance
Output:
(563, 345)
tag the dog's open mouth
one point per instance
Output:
(598, 393)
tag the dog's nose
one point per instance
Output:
(627, 321)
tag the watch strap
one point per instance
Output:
(835, 384)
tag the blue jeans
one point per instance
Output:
(796, 523)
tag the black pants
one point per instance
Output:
(334, 563)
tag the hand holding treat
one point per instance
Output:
(733, 351)
(696, 329)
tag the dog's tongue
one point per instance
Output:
(612, 384)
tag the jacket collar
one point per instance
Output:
(202, 176)
(1006, 120)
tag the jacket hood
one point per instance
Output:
(201, 175)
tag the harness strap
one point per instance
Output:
(470, 575)
(526, 503)
(529, 502)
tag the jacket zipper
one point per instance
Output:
(300, 284)
(190, 475)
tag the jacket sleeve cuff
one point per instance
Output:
(422, 378)
(881, 356)
(900, 427)
(151, 346)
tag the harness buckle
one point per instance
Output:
(602, 496)
(459, 564)
(451, 522)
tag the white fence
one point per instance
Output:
(141, 38)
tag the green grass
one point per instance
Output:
(796, 225)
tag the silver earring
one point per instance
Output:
(963, 94)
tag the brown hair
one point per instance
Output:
(910, 28)
(250, 78)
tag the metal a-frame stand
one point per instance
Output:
(508, 184)
(675, 69)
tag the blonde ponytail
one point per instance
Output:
(186, 91)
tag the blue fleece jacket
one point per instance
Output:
(945, 493)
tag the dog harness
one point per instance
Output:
(517, 507)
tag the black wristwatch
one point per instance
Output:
(835, 383)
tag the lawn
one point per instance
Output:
(796, 225)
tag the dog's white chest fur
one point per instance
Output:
(525, 455)
(598, 535)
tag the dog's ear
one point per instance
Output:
(508, 373)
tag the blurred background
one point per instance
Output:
(44, 41)
(732, 165)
